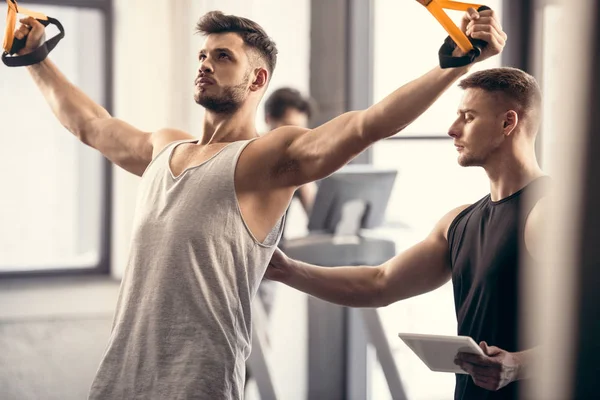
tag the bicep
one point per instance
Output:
(126, 146)
(293, 156)
(321, 151)
(422, 268)
(121, 143)
(419, 269)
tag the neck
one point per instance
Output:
(513, 171)
(226, 128)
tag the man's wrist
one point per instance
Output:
(294, 269)
(457, 72)
(37, 66)
(523, 359)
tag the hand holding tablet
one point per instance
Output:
(438, 352)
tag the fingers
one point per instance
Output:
(31, 22)
(489, 22)
(479, 370)
(493, 350)
(278, 255)
(28, 24)
(490, 350)
(469, 16)
(21, 32)
(484, 25)
(486, 383)
(475, 359)
(476, 29)
(494, 39)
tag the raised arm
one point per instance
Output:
(118, 141)
(419, 269)
(296, 156)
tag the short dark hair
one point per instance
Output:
(252, 33)
(515, 85)
(285, 98)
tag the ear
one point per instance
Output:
(261, 77)
(510, 122)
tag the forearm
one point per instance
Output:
(73, 108)
(347, 286)
(403, 106)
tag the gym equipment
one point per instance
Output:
(456, 37)
(12, 45)
(349, 204)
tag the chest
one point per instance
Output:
(187, 156)
(486, 245)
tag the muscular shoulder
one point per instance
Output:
(445, 222)
(162, 137)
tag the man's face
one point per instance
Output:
(292, 116)
(478, 130)
(223, 76)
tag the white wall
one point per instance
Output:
(155, 64)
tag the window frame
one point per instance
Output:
(105, 7)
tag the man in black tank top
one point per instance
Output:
(482, 247)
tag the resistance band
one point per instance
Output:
(472, 47)
(12, 45)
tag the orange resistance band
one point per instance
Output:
(11, 22)
(436, 8)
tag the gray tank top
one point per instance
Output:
(182, 327)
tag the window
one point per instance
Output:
(429, 184)
(53, 206)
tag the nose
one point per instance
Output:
(205, 67)
(454, 131)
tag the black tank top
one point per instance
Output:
(486, 242)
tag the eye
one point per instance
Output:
(468, 118)
(223, 55)
(202, 57)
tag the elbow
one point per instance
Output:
(82, 131)
(377, 293)
(366, 129)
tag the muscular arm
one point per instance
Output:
(420, 269)
(118, 141)
(293, 156)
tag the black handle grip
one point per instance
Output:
(18, 44)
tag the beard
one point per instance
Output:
(227, 102)
(469, 160)
(480, 157)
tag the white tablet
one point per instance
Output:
(438, 352)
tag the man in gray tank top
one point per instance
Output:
(210, 210)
